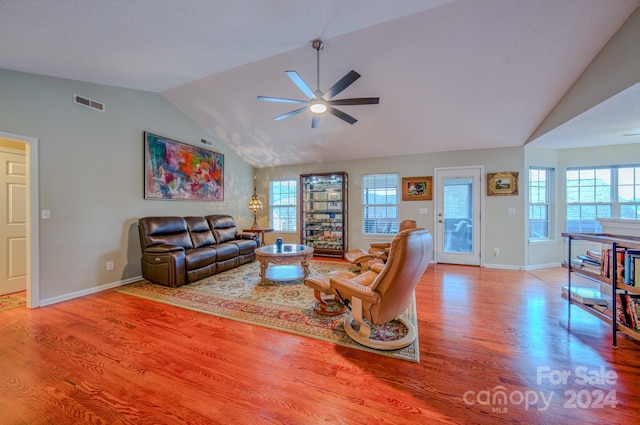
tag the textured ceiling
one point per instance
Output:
(451, 75)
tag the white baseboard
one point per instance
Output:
(542, 266)
(72, 295)
(502, 266)
(530, 267)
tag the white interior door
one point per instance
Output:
(458, 214)
(13, 222)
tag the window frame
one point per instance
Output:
(292, 207)
(547, 203)
(388, 221)
(613, 204)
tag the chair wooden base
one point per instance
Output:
(362, 336)
(321, 286)
(320, 305)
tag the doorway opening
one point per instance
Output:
(30, 206)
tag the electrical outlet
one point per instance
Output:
(496, 252)
(109, 265)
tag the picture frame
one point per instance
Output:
(417, 188)
(502, 184)
(177, 171)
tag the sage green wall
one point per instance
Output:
(502, 231)
(90, 172)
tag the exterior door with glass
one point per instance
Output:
(458, 213)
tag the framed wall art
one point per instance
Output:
(416, 189)
(502, 184)
(175, 170)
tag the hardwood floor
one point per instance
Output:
(112, 358)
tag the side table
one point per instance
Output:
(260, 233)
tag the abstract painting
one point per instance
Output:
(175, 170)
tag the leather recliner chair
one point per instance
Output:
(380, 250)
(382, 294)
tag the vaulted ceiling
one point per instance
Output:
(451, 75)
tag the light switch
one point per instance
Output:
(423, 210)
(511, 210)
(45, 214)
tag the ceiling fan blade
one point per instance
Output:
(290, 114)
(338, 113)
(302, 85)
(281, 99)
(315, 121)
(344, 82)
(355, 101)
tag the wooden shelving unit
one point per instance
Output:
(615, 242)
(323, 212)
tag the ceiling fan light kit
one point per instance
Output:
(318, 107)
(319, 102)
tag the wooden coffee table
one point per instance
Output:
(284, 263)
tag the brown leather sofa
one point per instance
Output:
(179, 250)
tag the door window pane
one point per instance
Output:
(458, 215)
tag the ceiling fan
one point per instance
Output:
(319, 102)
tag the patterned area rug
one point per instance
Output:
(286, 306)
(7, 302)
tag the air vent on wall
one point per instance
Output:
(89, 103)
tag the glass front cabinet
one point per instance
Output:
(323, 212)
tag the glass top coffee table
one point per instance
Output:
(283, 262)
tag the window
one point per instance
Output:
(380, 204)
(539, 202)
(607, 192)
(629, 192)
(283, 205)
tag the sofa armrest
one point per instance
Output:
(251, 236)
(160, 249)
(165, 267)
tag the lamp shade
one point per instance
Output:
(255, 204)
